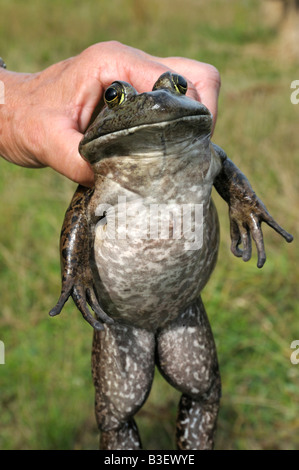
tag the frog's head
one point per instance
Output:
(152, 123)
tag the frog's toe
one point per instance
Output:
(65, 293)
(93, 302)
(81, 297)
(272, 223)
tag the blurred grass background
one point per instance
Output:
(46, 393)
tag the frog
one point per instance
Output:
(140, 289)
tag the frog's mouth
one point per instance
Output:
(151, 139)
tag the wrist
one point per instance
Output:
(11, 84)
(3, 108)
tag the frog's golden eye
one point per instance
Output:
(114, 95)
(180, 84)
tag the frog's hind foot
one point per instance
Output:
(124, 438)
(82, 297)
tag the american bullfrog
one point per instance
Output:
(139, 247)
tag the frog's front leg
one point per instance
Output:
(187, 358)
(246, 211)
(75, 246)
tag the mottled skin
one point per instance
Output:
(146, 150)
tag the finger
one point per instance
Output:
(257, 236)
(235, 239)
(79, 299)
(59, 306)
(93, 302)
(204, 77)
(66, 159)
(62, 300)
(272, 223)
(208, 93)
(246, 242)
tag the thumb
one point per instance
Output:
(66, 160)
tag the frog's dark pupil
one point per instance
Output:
(110, 94)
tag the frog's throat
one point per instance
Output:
(147, 137)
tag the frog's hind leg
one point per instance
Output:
(186, 356)
(123, 367)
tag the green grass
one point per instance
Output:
(46, 393)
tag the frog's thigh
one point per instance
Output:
(123, 367)
(187, 354)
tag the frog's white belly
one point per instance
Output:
(154, 259)
(149, 267)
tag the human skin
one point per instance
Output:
(46, 113)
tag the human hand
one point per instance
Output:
(46, 113)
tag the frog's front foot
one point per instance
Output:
(245, 222)
(83, 294)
